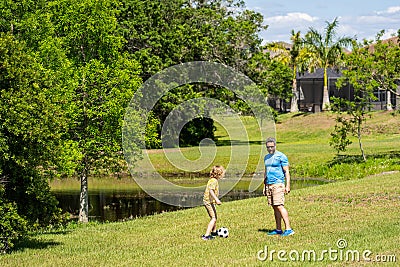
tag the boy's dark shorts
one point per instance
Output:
(211, 210)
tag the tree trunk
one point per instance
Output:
(359, 120)
(84, 198)
(389, 106)
(293, 105)
(325, 97)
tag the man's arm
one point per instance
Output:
(287, 178)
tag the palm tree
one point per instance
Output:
(291, 57)
(326, 52)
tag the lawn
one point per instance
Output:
(360, 216)
(305, 138)
(360, 210)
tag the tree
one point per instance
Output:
(368, 68)
(164, 33)
(273, 77)
(352, 112)
(384, 65)
(32, 123)
(161, 34)
(327, 52)
(292, 57)
(103, 82)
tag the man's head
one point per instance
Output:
(271, 145)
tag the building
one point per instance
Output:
(311, 85)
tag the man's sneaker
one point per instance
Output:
(214, 234)
(207, 237)
(275, 232)
(288, 232)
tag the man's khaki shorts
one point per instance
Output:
(275, 194)
(211, 210)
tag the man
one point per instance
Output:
(276, 173)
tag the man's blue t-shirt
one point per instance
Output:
(273, 167)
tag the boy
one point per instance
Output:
(210, 198)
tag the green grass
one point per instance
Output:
(364, 212)
(305, 139)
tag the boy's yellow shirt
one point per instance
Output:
(212, 184)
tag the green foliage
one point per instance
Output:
(326, 52)
(31, 192)
(367, 70)
(160, 34)
(64, 87)
(103, 82)
(192, 134)
(164, 33)
(31, 126)
(12, 225)
(296, 59)
(273, 77)
(381, 65)
(340, 139)
(153, 127)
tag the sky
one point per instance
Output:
(362, 19)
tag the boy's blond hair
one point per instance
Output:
(217, 172)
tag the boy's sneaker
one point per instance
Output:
(214, 234)
(207, 237)
(275, 232)
(288, 232)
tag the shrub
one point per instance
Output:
(12, 225)
(34, 200)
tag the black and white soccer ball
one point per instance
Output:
(223, 232)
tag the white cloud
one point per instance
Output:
(375, 20)
(393, 9)
(347, 30)
(362, 23)
(390, 10)
(289, 18)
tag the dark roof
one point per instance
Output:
(319, 74)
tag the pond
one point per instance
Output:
(120, 204)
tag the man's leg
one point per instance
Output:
(283, 214)
(278, 217)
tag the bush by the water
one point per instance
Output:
(12, 225)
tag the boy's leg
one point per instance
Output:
(212, 225)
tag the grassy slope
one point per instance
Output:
(363, 212)
(305, 139)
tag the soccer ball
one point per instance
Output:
(223, 232)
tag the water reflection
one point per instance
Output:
(119, 204)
